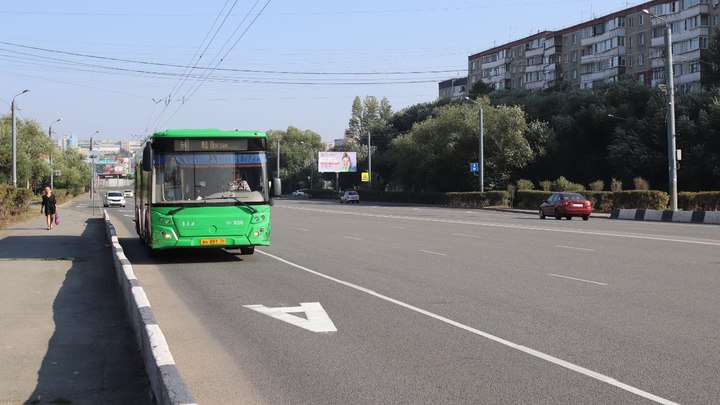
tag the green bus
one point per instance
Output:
(203, 188)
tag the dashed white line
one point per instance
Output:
(303, 229)
(577, 279)
(535, 353)
(351, 237)
(432, 253)
(662, 238)
(576, 248)
(464, 235)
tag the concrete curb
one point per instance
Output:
(694, 217)
(166, 382)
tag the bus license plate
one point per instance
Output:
(205, 242)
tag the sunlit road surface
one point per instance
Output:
(408, 304)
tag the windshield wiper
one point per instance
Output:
(253, 210)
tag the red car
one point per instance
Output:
(566, 205)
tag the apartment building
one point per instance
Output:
(453, 88)
(627, 42)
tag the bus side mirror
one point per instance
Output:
(147, 158)
(276, 187)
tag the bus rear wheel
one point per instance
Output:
(247, 250)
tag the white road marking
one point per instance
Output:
(128, 215)
(303, 229)
(317, 319)
(524, 349)
(706, 242)
(432, 253)
(577, 279)
(351, 237)
(396, 227)
(576, 248)
(466, 235)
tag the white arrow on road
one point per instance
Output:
(317, 319)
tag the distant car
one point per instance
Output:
(566, 205)
(128, 193)
(350, 197)
(114, 198)
(300, 192)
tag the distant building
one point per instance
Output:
(627, 42)
(329, 145)
(453, 88)
(339, 142)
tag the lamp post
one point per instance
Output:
(481, 152)
(14, 139)
(369, 162)
(92, 179)
(52, 147)
(670, 85)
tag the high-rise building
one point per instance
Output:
(627, 42)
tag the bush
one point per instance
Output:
(524, 184)
(531, 199)
(640, 199)
(701, 201)
(616, 185)
(13, 201)
(597, 185)
(563, 184)
(641, 184)
(546, 185)
(601, 200)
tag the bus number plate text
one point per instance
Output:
(205, 242)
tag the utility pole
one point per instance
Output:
(481, 158)
(52, 148)
(670, 85)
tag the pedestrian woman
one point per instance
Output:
(48, 206)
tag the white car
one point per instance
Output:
(114, 198)
(128, 193)
(300, 193)
(350, 197)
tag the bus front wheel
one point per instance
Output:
(247, 250)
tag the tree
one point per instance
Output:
(435, 154)
(298, 154)
(710, 59)
(480, 89)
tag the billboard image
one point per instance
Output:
(335, 162)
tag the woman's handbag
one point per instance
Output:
(57, 218)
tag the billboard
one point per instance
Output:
(334, 162)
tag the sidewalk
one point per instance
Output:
(64, 334)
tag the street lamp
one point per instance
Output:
(670, 85)
(92, 180)
(481, 152)
(52, 147)
(14, 139)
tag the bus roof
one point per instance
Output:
(208, 133)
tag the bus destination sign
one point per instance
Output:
(210, 145)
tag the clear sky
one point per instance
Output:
(119, 67)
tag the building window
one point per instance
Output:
(574, 39)
(641, 60)
(641, 39)
(574, 56)
(574, 74)
(641, 19)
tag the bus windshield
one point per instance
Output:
(210, 177)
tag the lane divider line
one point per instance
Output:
(525, 349)
(577, 279)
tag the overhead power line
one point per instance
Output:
(283, 72)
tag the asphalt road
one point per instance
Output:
(439, 305)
